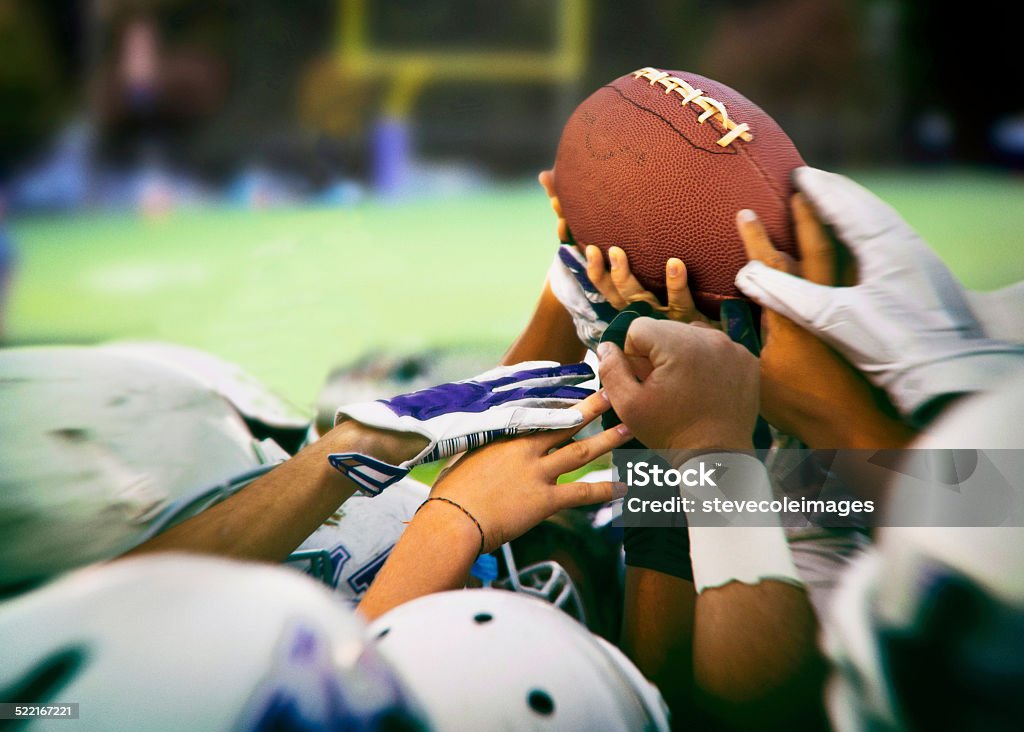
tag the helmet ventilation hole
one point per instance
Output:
(541, 702)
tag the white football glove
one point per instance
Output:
(502, 402)
(1000, 312)
(589, 309)
(907, 324)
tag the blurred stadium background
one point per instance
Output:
(292, 183)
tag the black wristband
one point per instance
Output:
(663, 549)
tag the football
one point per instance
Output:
(659, 162)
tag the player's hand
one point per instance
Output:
(511, 486)
(907, 324)
(682, 386)
(464, 415)
(807, 389)
(620, 287)
(567, 278)
(547, 181)
(593, 295)
(589, 309)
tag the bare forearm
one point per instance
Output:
(754, 654)
(434, 554)
(269, 518)
(657, 633)
(550, 335)
(869, 429)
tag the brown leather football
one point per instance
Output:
(659, 162)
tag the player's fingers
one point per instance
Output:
(556, 206)
(547, 180)
(759, 247)
(570, 495)
(794, 297)
(629, 287)
(817, 253)
(618, 377)
(590, 408)
(602, 279)
(641, 366)
(858, 218)
(563, 232)
(578, 453)
(680, 302)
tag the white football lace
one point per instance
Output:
(711, 107)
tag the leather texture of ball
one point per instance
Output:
(650, 163)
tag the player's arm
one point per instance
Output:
(657, 625)
(374, 445)
(564, 322)
(490, 497)
(742, 633)
(269, 518)
(550, 335)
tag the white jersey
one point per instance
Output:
(348, 550)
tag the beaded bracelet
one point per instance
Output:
(471, 516)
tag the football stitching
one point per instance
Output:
(691, 143)
(749, 158)
(741, 151)
(711, 109)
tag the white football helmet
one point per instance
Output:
(266, 413)
(102, 450)
(490, 659)
(348, 550)
(175, 642)
(927, 631)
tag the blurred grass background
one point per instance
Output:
(290, 293)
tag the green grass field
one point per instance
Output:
(290, 293)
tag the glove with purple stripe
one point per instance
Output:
(505, 401)
(590, 310)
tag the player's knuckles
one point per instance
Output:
(704, 336)
(579, 453)
(645, 332)
(621, 278)
(818, 260)
(582, 494)
(812, 239)
(775, 259)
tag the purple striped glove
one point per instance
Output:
(503, 402)
(590, 310)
